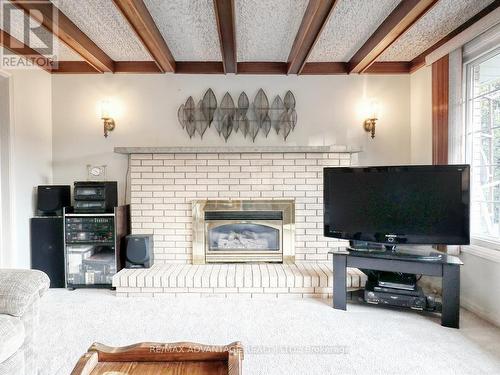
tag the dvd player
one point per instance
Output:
(415, 300)
(396, 280)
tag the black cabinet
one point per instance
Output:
(92, 243)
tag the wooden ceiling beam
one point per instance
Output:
(264, 67)
(45, 13)
(138, 16)
(388, 67)
(332, 68)
(16, 46)
(216, 67)
(136, 67)
(324, 68)
(419, 61)
(82, 67)
(74, 67)
(199, 67)
(400, 19)
(224, 14)
(315, 18)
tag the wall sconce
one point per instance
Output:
(369, 124)
(106, 116)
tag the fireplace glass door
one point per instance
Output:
(251, 236)
(243, 236)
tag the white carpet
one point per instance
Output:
(363, 340)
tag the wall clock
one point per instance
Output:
(96, 172)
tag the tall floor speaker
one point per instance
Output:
(47, 248)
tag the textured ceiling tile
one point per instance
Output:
(265, 30)
(36, 40)
(102, 22)
(442, 19)
(189, 28)
(349, 27)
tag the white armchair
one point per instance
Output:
(20, 293)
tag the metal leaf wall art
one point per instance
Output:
(243, 105)
(249, 119)
(189, 109)
(209, 105)
(277, 109)
(200, 119)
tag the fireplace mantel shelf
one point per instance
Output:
(236, 149)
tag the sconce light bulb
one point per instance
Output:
(105, 109)
(107, 117)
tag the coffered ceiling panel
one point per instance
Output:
(265, 30)
(188, 27)
(350, 25)
(105, 25)
(439, 21)
(37, 40)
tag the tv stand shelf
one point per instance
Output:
(447, 267)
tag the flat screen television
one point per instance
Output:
(398, 204)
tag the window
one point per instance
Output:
(482, 146)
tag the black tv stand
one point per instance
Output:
(391, 250)
(369, 246)
(445, 266)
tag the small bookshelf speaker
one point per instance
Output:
(138, 251)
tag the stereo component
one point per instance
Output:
(47, 248)
(92, 243)
(81, 229)
(395, 297)
(52, 198)
(95, 197)
(138, 251)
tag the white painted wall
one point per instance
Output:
(421, 116)
(480, 282)
(31, 154)
(5, 211)
(327, 114)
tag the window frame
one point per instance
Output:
(485, 241)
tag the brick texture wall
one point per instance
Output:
(164, 185)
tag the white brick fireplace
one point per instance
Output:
(165, 181)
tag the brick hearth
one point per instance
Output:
(255, 280)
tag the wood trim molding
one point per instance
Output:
(440, 89)
(262, 67)
(61, 26)
(74, 67)
(199, 67)
(419, 61)
(136, 67)
(224, 14)
(216, 67)
(16, 46)
(326, 68)
(315, 18)
(389, 67)
(400, 19)
(82, 67)
(139, 18)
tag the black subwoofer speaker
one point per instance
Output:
(138, 251)
(52, 198)
(47, 248)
